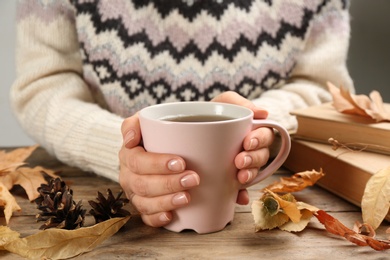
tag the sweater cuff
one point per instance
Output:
(92, 143)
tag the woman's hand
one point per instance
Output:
(155, 183)
(255, 145)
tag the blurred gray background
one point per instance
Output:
(368, 62)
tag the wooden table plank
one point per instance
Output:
(238, 240)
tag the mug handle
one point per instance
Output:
(280, 157)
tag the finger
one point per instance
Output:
(245, 176)
(150, 206)
(259, 138)
(234, 98)
(131, 131)
(157, 220)
(139, 161)
(252, 159)
(156, 185)
(243, 197)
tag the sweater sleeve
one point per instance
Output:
(49, 97)
(323, 59)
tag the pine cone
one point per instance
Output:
(108, 208)
(59, 210)
(55, 185)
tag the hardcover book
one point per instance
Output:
(346, 171)
(319, 123)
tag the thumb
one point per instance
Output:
(232, 97)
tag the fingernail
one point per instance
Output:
(163, 218)
(262, 113)
(250, 175)
(253, 143)
(247, 160)
(190, 180)
(129, 136)
(176, 165)
(180, 199)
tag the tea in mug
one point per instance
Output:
(199, 118)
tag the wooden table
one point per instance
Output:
(237, 241)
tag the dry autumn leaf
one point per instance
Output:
(362, 105)
(290, 226)
(380, 111)
(288, 205)
(335, 227)
(7, 235)
(14, 159)
(284, 212)
(376, 198)
(263, 220)
(30, 179)
(11, 173)
(7, 181)
(62, 244)
(297, 182)
(7, 203)
(365, 228)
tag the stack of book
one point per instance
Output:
(348, 148)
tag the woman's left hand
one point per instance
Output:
(255, 152)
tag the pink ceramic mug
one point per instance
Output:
(209, 148)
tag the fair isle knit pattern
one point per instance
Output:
(141, 52)
(84, 65)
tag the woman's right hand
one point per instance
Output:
(155, 183)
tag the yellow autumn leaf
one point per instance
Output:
(284, 212)
(263, 220)
(376, 198)
(7, 235)
(307, 212)
(7, 203)
(302, 205)
(62, 244)
(301, 224)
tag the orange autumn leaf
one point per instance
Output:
(365, 228)
(380, 111)
(290, 226)
(284, 212)
(331, 224)
(11, 173)
(288, 205)
(7, 181)
(7, 203)
(361, 105)
(12, 160)
(7, 168)
(334, 226)
(297, 182)
(30, 179)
